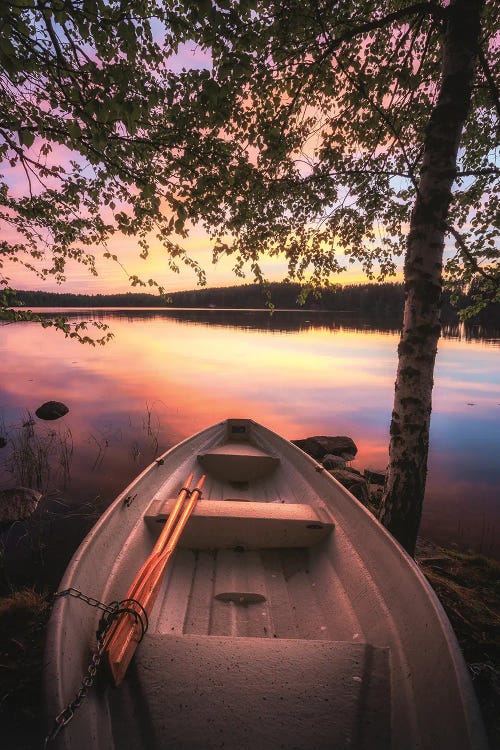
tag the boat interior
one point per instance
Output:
(244, 567)
(248, 598)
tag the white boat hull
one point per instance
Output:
(289, 617)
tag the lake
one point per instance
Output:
(169, 373)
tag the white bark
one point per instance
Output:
(405, 485)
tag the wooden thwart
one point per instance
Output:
(124, 636)
(219, 524)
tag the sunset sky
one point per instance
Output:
(113, 277)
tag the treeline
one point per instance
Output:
(67, 299)
(383, 300)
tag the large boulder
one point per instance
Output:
(17, 503)
(354, 482)
(51, 410)
(320, 445)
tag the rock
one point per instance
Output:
(17, 503)
(51, 410)
(375, 476)
(3, 441)
(376, 493)
(354, 482)
(318, 447)
(333, 462)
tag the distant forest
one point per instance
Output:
(384, 300)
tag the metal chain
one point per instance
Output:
(112, 609)
(63, 718)
(87, 599)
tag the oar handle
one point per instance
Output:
(188, 509)
(172, 519)
(162, 539)
(134, 590)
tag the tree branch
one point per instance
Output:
(479, 172)
(495, 95)
(466, 252)
(431, 8)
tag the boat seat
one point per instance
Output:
(218, 524)
(263, 692)
(238, 462)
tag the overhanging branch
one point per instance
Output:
(466, 253)
(493, 88)
(418, 9)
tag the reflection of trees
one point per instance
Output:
(281, 321)
(466, 332)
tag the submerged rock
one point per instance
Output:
(51, 410)
(18, 503)
(320, 445)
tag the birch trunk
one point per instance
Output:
(405, 485)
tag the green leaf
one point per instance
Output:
(26, 137)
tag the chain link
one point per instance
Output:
(87, 599)
(112, 609)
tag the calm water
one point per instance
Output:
(169, 374)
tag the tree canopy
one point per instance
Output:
(323, 110)
(301, 137)
(83, 86)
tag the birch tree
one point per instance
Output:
(405, 483)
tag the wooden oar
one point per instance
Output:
(160, 543)
(124, 638)
(116, 634)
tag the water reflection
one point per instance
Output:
(279, 320)
(170, 373)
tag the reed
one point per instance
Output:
(152, 431)
(37, 456)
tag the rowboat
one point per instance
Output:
(288, 617)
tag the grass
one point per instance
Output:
(468, 587)
(41, 456)
(23, 618)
